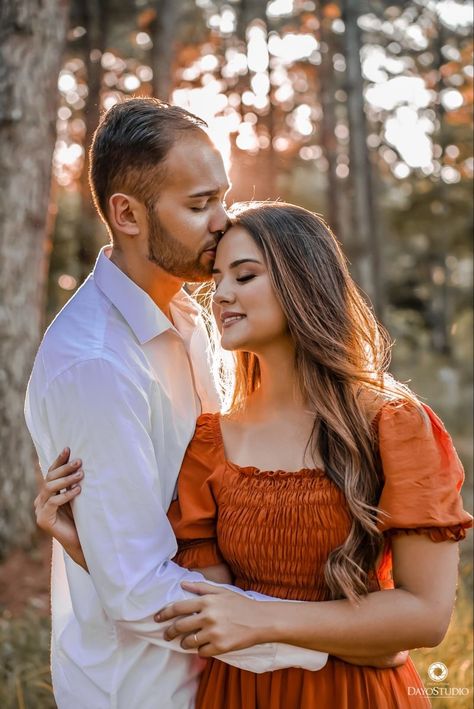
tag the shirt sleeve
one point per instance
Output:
(128, 543)
(422, 475)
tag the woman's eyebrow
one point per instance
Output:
(234, 264)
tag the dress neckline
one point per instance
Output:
(251, 469)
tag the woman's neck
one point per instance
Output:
(279, 387)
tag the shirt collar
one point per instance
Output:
(143, 315)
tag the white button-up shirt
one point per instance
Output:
(121, 385)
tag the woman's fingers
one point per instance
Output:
(66, 496)
(46, 508)
(60, 460)
(61, 470)
(43, 503)
(69, 476)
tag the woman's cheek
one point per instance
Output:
(216, 313)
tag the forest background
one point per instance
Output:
(360, 110)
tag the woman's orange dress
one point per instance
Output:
(275, 530)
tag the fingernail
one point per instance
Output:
(77, 462)
(65, 450)
(157, 618)
(78, 474)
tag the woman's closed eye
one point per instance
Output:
(244, 279)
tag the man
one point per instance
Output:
(121, 376)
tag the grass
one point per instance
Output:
(25, 680)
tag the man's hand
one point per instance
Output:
(219, 621)
(215, 622)
(52, 505)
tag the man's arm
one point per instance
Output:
(127, 540)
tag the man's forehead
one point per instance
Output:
(195, 167)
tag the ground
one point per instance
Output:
(24, 579)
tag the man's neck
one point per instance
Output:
(159, 285)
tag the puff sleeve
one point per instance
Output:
(193, 515)
(422, 475)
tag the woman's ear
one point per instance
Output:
(125, 214)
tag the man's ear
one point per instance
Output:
(125, 214)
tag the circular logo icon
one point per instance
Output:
(438, 671)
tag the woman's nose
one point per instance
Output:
(223, 295)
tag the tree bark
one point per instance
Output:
(162, 34)
(325, 76)
(367, 259)
(32, 36)
(95, 18)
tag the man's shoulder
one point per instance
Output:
(77, 329)
(89, 328)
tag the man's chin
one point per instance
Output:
(197, 278)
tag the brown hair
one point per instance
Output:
(341, 361)
(130, 146)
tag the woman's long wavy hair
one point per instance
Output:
(341, 360)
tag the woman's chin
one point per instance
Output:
(231, 344)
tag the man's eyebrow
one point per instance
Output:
(210, 193)
(234, 264)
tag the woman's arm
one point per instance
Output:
(219, 573)
(414, 614)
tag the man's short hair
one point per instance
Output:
(130, 146)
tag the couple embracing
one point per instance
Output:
(248, 514)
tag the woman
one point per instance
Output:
(325, 481)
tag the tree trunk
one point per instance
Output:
(367, 249)
(162, 34)
(335, 194)
(31, 38)
(88, 227)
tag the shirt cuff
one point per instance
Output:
(269, 657)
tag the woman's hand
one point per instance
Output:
(216, 621)
(52, 505)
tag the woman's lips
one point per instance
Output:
(231, 319)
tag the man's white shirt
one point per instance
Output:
(121, 385)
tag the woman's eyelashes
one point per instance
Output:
(239, 279)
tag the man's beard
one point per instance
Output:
(172, 256)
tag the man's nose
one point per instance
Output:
(220, 220)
